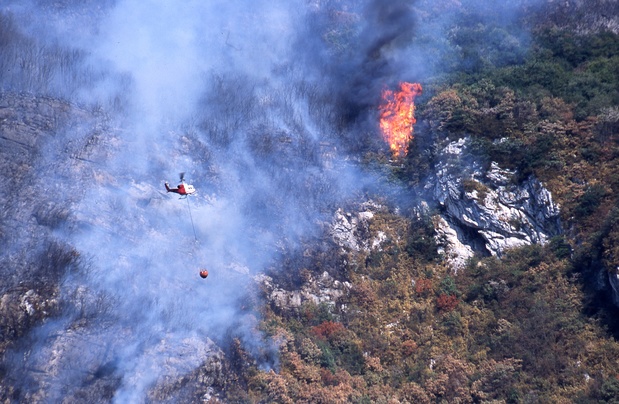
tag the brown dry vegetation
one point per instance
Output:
(510, 329)
(523, 328)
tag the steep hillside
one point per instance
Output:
(36, 201)
(479, 266)
(537, 324)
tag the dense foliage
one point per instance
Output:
(522, 328)
(410, 330)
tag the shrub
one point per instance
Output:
(327, 330)
(422, 286)
(560, 247)
(471, 185)
(589, 201)
(448, 286)
(446, 303)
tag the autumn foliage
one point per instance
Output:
(327, 330)
(423, 286)
(446, 303)
(517, 328)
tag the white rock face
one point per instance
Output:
(322, 289)
(351, 230)
(486, 207)
(344, 230)
(450, 245)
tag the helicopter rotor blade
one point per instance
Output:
(182, 175)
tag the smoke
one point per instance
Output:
(207, 89)
(263, 105)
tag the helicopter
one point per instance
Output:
(183, 188)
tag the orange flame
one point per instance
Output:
(397, 116)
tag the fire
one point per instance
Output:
(397, 116)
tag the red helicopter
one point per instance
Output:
(183, 188)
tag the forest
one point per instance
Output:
(99, 296)
(524, 328)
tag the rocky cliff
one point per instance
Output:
(483, 209)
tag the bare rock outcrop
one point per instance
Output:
(317, 289)
(351, 230)
(484, 209)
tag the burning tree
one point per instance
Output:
(397, 116)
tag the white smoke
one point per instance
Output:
(207, 88)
